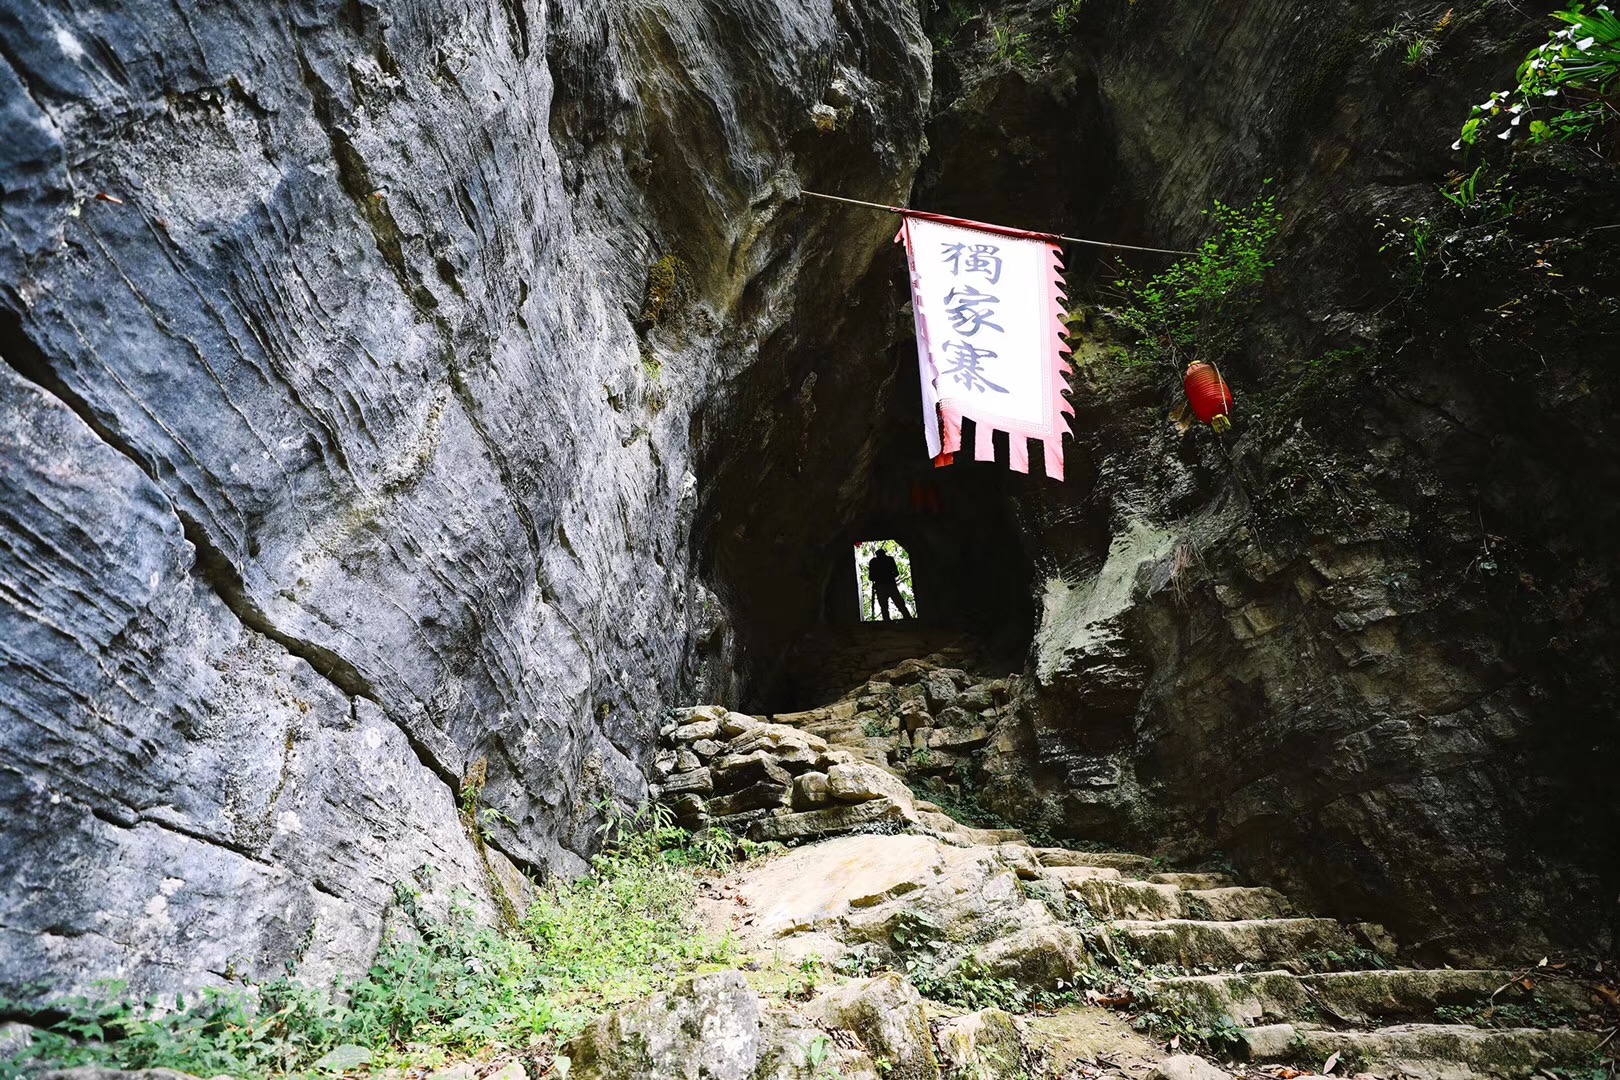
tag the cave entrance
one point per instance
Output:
(869, 576)
(787, 510)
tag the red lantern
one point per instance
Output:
(1209, 396)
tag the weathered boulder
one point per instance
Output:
(697, 729)
(1039, 951)
(988, 1044)
(760, 796)
(734, 724)
(703, 1028)
(939, 689)
(831, 821)
(697, 782)
(810, 791)
(887, 1013)
(1187, 1067)
(735, 771)
(859, 782)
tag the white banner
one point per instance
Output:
(988, 309)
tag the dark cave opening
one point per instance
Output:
(795, 596)
(821, 445)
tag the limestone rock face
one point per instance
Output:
(1366, 646)
(347, 472)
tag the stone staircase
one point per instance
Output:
(1233, 968)
(1237, 966)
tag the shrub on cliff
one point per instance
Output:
(1190, 311)
(1565, 86)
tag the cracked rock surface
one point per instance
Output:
(347, 467)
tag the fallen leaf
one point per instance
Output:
(1331, 1061)
(1543, 962)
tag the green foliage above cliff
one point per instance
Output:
(1565, 86)
(1190, 310)
(454, 986)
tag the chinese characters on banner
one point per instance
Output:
(989, 310)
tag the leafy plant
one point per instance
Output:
(1466, 192)
(969, 985)
(1564, 86)
(1190, 311)
(805, 979)
(1167, 1020)
(1066, 14)
(1010, 46)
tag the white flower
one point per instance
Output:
(1550, 93)
(1515, 121)
(1517, 109)
(1508, 134)
(1585, 43)
(1457, 145)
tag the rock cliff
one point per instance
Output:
(352, 353)
(405, 403)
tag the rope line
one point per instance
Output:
(906, 212)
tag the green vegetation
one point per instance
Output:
(1066, 14)
(1564, 86)
(1439, 236)
(1191, 310)
(1011, 46)
(449, 987)
(1168, 1021)
(969, 985)
(1417, 38)
(667, 290)
(951, 19)
(1530, 1014)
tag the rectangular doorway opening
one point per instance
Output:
(883, 577)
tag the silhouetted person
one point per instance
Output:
(884, 574)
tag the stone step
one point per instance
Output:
(1359, 998)
(1184, 880)
(1194, 943)
(1103, 860)
(1111, 898)
(1071, 876)
(1426, 1051)
(1234, 902)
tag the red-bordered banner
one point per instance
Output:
(988, 304)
